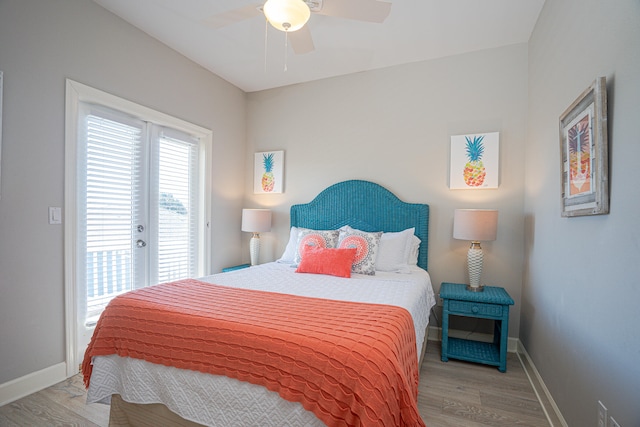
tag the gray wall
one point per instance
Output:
(575, 281)
(41, 44)
(393, 127)
(580, 311)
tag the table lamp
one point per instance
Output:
(255, 221)
(475, 225)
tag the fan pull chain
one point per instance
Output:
(286, 45)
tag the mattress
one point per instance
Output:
(218, 400)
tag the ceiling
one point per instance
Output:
(253, 57)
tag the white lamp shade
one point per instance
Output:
(256, 220)
(287, 15)
(476, 225)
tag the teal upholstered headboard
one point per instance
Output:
(366, 206)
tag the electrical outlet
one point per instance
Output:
(613, 423)
(602, 415)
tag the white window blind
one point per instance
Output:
(177, 208)
(108, 206)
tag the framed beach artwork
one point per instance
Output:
(474, 161)
(268, 172)
(584, 153)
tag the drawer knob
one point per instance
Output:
(475, 309)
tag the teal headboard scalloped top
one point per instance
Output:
(366, 206)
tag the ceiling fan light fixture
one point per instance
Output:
(287, 15)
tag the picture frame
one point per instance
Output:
(584, 163)
(268, 172)
(475, 161)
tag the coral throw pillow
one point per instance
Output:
(330, 261)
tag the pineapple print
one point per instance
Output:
(267, 177)
(474, 170)
(579, 158)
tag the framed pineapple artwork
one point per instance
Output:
(474, 161)
(584, 154)
(267, 172)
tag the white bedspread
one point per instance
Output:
(220, 401)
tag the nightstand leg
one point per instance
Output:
(445, 331)
(504, 337)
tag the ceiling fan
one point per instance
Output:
(292, 16)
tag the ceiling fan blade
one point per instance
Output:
(234, 15)
(301, 40)
(361, 10)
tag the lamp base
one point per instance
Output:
(475, 288)
(474, 264)
(254, 248)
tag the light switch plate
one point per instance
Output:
(55, 215)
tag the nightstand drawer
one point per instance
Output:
(475, 308)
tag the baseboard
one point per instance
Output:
(31, 383)
(549, 406)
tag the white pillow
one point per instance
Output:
(413, 249)
(290, 251)
(393, 254)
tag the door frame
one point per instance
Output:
(76, 93)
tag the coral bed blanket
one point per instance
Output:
(351, 364)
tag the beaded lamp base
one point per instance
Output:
(474, 263)
(254, 248)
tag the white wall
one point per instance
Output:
(393, 127)
(41, 44)
(581, 294)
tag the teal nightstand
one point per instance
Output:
(235, 267)
(492, 303)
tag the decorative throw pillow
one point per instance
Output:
(366, 245)
(393, 251)
(318, 238)
(330, 261)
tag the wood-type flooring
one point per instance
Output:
(452, 394)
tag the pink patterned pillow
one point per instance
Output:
(317, 238)
(366, 245)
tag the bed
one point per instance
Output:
(180, 389)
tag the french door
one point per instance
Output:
(140, 214)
